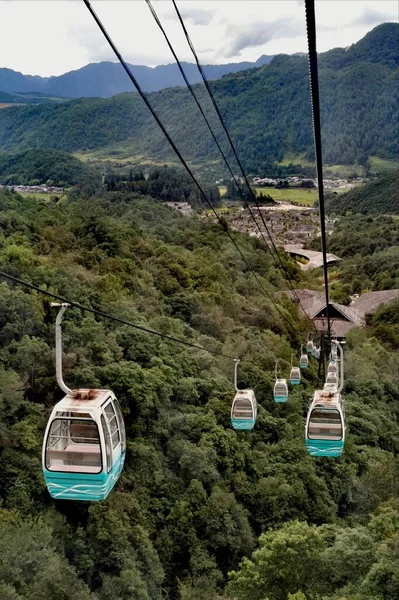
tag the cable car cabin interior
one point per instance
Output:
(244, 410)
(304, 361)
(280, 390)
(295, 376)
(84, 446)
(325, 428)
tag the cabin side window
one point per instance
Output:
(113, 424)
(108, 451)
(121, 424)
(73, 446)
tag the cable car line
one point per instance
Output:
(176, 150)
(224, 126)
(190, 88)
(104, 315)
(314, 92)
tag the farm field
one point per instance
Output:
(295, 195)
(382, 165)
(296, 159)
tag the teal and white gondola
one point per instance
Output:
(280, 392)
(332, 367)
(295, 376)
(304, 361)
(244, 408)
(325, 423)
(332, 378)
(85, 442)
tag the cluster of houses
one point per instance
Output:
(290, 181)
(42, 189)
(183, 207)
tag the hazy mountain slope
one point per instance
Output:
(267, 111)
(27, 98)
(106, 79)
(380, 196)
(14, 81)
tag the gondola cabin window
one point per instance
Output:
(242, 409)
(325, 423)
(113, 424)
(107, 441)
(73, 446)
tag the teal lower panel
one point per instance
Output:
(325, 447)
(243, 424)
(81, 486)
(280, 398)
(303, 366)
(295, 381)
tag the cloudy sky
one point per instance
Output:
(50, 37)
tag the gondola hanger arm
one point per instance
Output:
(58, 346)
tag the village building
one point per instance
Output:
(342, 318)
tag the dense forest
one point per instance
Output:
(379, 196)
(38, 166)
(201, 512)
(167, 184)
(267, 111)
(370, 249)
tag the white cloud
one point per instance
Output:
(50, 38)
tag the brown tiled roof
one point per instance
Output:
(313, 303)
(368, 303)
(339, 328)
(347, 311)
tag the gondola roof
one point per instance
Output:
(84, 399)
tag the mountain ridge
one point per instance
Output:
(106, 79)
(266, 109)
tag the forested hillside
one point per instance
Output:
(370, 249)
(27, 98)
(195, 497)
(38, 165)
(379, 196)
(267, 111)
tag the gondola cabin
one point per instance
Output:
(295, 376)
(332, 367)
(304, 361)
(244, 410)
(84, 446)
(309, 346)
(332, 378)
(325, 425)
(280, 390)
